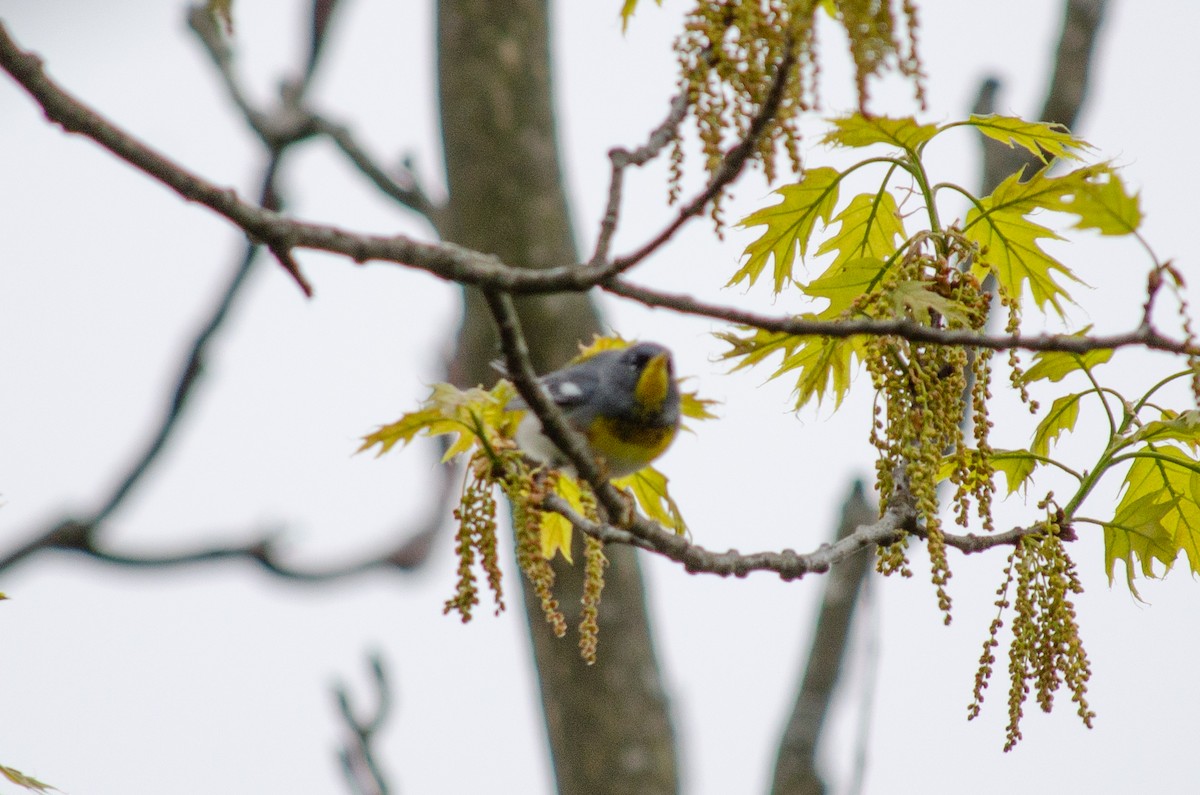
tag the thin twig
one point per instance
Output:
(81, 538)
(358, 758)
(732, 164)
(82, 535)
(621, 159)
(286, 123)
(407, 192)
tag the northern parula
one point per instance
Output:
(624, 401)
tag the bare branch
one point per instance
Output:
(900, 518)
(82, 538)
(407, 191)
(287, 123)
(788, 564)
(468, 267)
(734, 162)
(621, 159)
(1144, 336)
(358, 759)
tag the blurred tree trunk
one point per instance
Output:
(609, 725)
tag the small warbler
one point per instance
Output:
(624, 401)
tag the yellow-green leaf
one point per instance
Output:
(1057, 365)
(555, 529)
(599, 344)
(403, 430)
(842, 284)
(1183, 427)
(649, 488)
(857, 130)
(1102, 203)
(824, 364)
(1009, 241)
(914, 298)
(1062, 417)
(24, 781)
(1135, 535)
(1036, 137)
(463, 414)
(1017, 466)
(790, 225)
(696, 407)
(1158, 515)
(627, 9)
(870, 227)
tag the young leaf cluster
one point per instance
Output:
(872, 257)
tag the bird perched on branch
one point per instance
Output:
(623, 400)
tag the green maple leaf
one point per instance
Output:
(869, 226)
(554, 529)
(465, 415)
(1158, 515)
(1009, 241)
(1037, 138)
(697, 408)
(1062, 416)
(753, 349)
(1017, 466)
(402, 431)
(24, 781)
(915, 298)
(1057, 365)
(868, 230)
(1183, 427)
(857, 131)
(790, 225)
(842, 285)
(823, 364)
(1102, 203)
(627, 9)
(649, 488)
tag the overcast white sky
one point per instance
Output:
(217, 679)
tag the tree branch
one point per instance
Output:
(358, 759)
(406, 191)
(732, 164)
(900, 518)
(81, 537)
(468, 267)
(1145, 335)
(621, 159)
